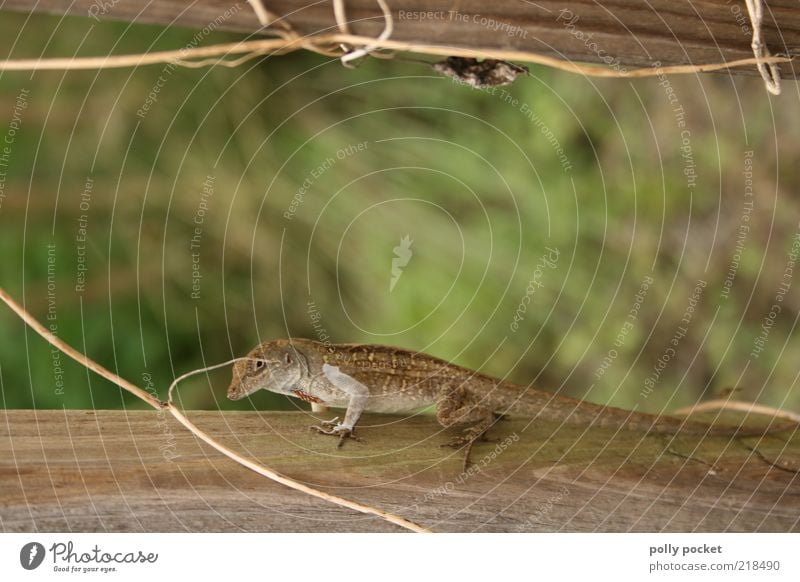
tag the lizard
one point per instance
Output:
(373, 378)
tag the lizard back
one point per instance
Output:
(400, 378)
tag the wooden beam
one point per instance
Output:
(628, 32)
(141, 471)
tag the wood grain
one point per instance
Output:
(636, 32)
(114, 471)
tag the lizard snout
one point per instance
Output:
(236, 390)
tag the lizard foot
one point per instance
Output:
(467, 440)
(456, 442)
(336, 430)
(330, 423)
(466, 443)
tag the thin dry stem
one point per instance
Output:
(339, 16)
(338, 9)
(76, 355)
(155, 403)
(739, 406)
(266, 17)
(322, 43)
(769, 71)
(262, 13)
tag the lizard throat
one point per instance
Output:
(306, 397)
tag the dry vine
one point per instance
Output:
(327, 43)
(739, 406)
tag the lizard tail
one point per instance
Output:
(534, 403)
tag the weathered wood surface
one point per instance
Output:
(110, 471)
(636, 32)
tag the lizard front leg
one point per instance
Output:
(455, 406)
(358, 396)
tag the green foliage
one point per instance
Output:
(475, 179)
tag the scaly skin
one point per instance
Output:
(377, 378)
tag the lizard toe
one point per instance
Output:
(457, 442)
(338, 431)
(346, 434)
(330, 423)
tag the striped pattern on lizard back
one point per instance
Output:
(400, 380)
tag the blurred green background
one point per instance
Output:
(471, 177)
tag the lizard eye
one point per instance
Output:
(288, 359)
(259, 364)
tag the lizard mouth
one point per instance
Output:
(234, 394)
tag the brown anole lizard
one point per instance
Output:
(360, 377)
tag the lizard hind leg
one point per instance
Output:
(456, 407)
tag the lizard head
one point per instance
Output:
(275, 366)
